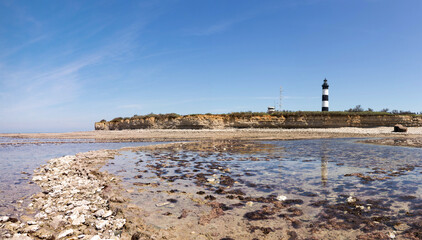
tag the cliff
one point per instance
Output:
(282, 120)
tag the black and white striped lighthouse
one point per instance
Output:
(325, 96)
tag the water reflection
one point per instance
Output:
(324, 163)
(329, 184)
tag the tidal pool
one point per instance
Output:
(19, 157)
(314, 189)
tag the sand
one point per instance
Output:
(239, 134)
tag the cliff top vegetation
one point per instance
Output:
(358, 110)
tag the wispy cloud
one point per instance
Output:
(10, 51)
(218, 27)
(43, 85)
(229, 23)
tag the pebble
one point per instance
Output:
(100, 224)
(401, 227)
(107, 214)
(31, 228)
(4, 218)
(41, 215)
(119, 223)
(281, 198)
(211, 180)
(18, 236)
(57, 222)
(351, 199)
(65, 233)
(162, 204)
(44, 234)
(79, 220)
(99, 213)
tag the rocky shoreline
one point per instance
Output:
(402, 142)
(78, 201)
(75, 202)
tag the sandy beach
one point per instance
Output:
(239, 134)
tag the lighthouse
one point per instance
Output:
(325, 96)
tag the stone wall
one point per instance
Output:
(265, 121)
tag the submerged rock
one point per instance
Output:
(281, 198)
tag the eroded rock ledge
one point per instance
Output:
(288, 120)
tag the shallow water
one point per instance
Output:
(330, 185)
(18, 161)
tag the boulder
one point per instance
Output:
(400, 128)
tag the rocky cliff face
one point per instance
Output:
(265, 121)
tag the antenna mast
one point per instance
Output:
(279, 100)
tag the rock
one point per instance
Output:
(281, 198)
(211, 180)
(107, 214)
(41, 215)
(38, 178)
(57, 222)
(79, 220)
(11, 226)
(31, 228)
(4, 219)
(99, 213)
(99, 225)
(18, 236)
(351, 199)
(400, 128)
(117, 199)
(401, 227)
(162, 204)
(119, 223)
(65, 233)
(44, 234)
(96, 237)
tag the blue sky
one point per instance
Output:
(66, 64)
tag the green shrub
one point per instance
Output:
(249, 114)
(117, 119)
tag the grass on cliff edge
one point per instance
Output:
(258, 114)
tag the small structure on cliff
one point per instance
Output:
(270, 110)
(325, 96)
